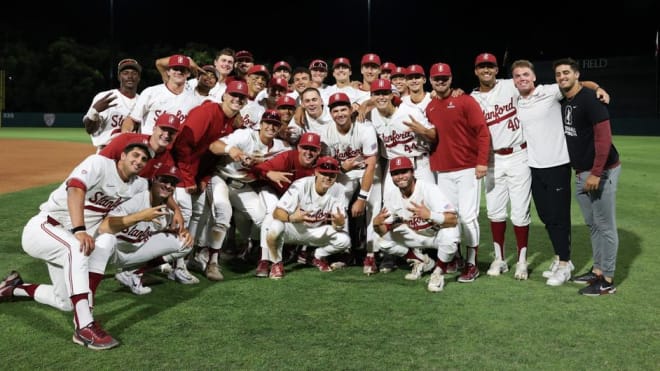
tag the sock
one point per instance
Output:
(472, 255)
(522, 238)
(82, 315)
(498, 229)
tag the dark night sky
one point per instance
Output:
(405, 32)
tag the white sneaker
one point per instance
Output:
(165, 268)
(497, 267)
(553, 268)
(521, 271)
(437, 281)
(181, 275)
(561, 276)
(132, 281)
(419, 267)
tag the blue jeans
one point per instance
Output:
(599, 212)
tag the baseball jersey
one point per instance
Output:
(251, 114)
(205, 124)
(424, 193)
(397, 139)
(421, 105)
(116, 146)
(139, 233)
(104, 190)
(112, 117)
(302, 193)
(158, 99)
(499, 108)
(216, 91)
(352, 93)
(287, 162)
(360, 141)
(315, 125)
(248, 141)
(463, 137)
(540, 116)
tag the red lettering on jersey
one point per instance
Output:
(397, 138)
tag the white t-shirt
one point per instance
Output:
(360, 141)
(540, 116)
(158, 99)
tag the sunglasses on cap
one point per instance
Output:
(319, 64)
(327, 166)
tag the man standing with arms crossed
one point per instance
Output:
(597, 166)
(460, 159)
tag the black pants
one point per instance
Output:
(551, 190)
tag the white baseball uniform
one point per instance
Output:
(398, 140)
(509, 179)
(158, 99)
(315, 125)
(302, 194)
(143, 241)
(251, 114)
(415, 232)
(421, 104)
(361, 141)
(111, 118)
(47, 235)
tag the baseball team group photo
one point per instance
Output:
(222, 209)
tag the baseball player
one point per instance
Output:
(232, 186)
(109, 108)
(243, 61)
(416, 216)
(310, 212)
(355, 146)
(61, 234)
(206, 123)
(138, 231)
(415, 80)
(341, 71)
(257, 79)
(286, 107)
(280, 172)
(313, 116)
(386, 70)
(170, 97)
(282, 70)
(509, 179)
(460, 159)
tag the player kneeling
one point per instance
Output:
(312, 212)
(417, 215)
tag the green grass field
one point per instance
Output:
(344, 320)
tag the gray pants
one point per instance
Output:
(599, 212)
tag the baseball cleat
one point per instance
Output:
(277, 271)
(521, 271)
(8, 284)
(182, 275)
(369, 265)
(437, 281)
(213, 272)
(132, 281)
(322, 265)
(497, 267)
(263, 268)
(419, 268)
(469, 274)
(94, 337)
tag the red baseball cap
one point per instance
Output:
(244, 55)
(259, 69)
(285, 101)
(440, 69)
(272, 116)
(166, 170)
(237, 87)
(168, 120)
(310, 139)
(318, 64)
(341, 61)
(381, 84)
(279, 82)
(327, 164)
(282, 65)
(400, 163)
(337, 99)
(178, 60)
(484, 58)
(399, 71)
(370, 58)
(387, 66)
(415, 69)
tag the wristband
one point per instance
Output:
(363, 194)
(92, 114)
(80, 228)
(437, 218)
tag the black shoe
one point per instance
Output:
(586, 279)
(598, 287)
(387, 264)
